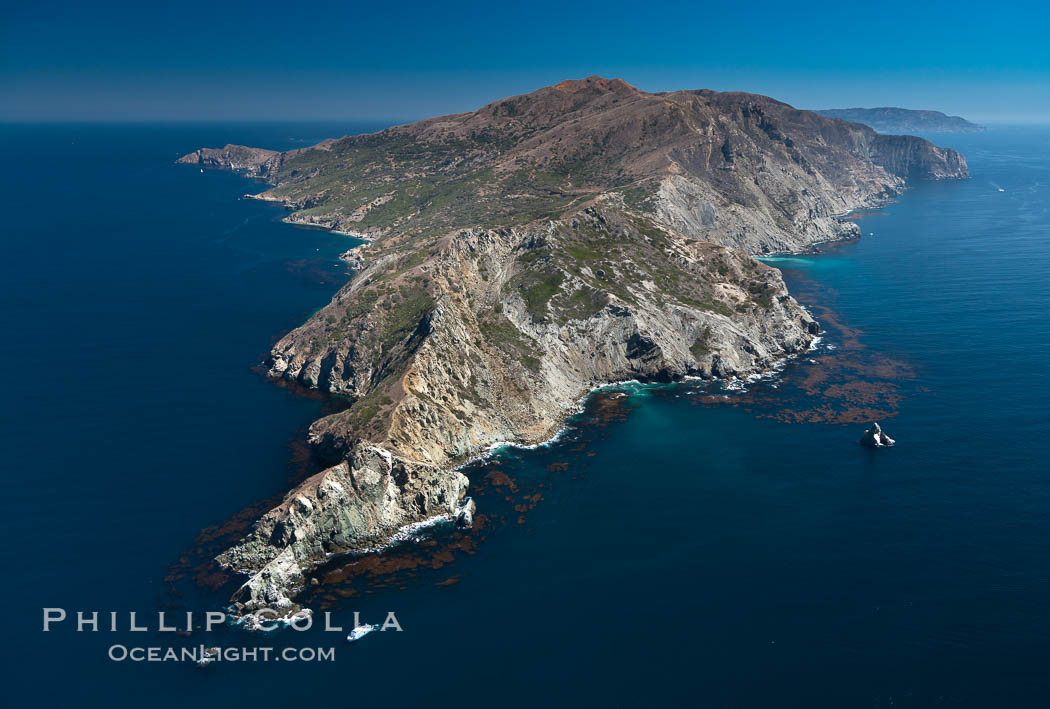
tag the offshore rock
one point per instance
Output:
(875, 438)
(464, 514)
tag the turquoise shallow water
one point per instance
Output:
(679, 545)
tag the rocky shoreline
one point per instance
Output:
(524, 255)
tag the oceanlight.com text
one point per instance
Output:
(122, 653)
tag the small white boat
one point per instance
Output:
(359, 632)
(210, 655)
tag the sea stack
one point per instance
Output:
(875, 438)
(463, 517)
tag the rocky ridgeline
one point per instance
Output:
(527, 252)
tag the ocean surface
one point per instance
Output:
(688, 545)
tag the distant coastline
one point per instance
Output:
(891, 120)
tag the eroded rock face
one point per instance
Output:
(913, 158)
(349, 506)
(477, 359)
(270, 588)
(496, 353)
(875, 438)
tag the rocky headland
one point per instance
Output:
(904, 120)
(525, 253)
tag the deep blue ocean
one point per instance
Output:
(681, 545)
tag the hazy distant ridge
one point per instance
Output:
(903, 120)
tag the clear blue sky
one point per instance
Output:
(404, 60)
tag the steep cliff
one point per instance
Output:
(917, 159)
(524, 253)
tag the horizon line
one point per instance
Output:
(389, 121)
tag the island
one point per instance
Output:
(522, 254)
(904, 120)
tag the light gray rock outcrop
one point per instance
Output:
(463, 517)
(875, 438)
(352, 505)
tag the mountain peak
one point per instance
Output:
(541, 155)
(596, 83)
